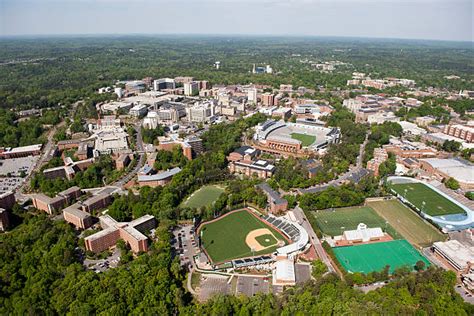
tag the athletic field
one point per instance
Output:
(334, 223)
(232, 235)
(435, 204)
(204, 196)
(409, 224)
(374, 257)
(306, 140)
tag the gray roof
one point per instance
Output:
(160, 176)
(274, 196)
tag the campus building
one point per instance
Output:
(17, 152)
(4, 220)
(159, 179)
(380, 156)
(275, 202)
(460, 131)
(74, 215)
(132, 233)
(243, 160)
(96, 202)
(456, 168)
(7, 200)
(47, 204)
(458, 255)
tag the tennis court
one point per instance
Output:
(374, 257)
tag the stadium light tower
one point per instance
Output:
(423, 206)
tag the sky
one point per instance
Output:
(411, 19)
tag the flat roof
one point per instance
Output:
(25, 148)
(95, 198)
(160, 176)
(102, 233)
(456, 251)
(458, 169)
(74, 210)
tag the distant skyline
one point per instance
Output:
(417, 19)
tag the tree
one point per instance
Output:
(318, 268)
(452, 184)
(420, 265)
(451, 146)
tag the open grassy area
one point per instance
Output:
(409, 224)
(266, 240)
(334, 223)
(224, 239)
(204, 196)
(374, 257)
(306, 140)
(435, 204)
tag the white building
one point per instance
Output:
(252, 95)
(363, 234)
(200, 112)
(138, 110)
(191, 88)
(459, 256)
(284, 272)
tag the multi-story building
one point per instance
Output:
(276, 203)
(459, 169)
(71, 194)
(380, 155)
(268, 99)
(138, 110)
(191, 88)
(122, 161)
(4, 220)
(252, 95)
(74, 215)
(200, 112)
(7, 200)
(259, 168)
(17, 152)
(47, 204)
(96, 202)
(460, 131)
(164, 84)
(136, 86)
(132, 233)
(458, 255)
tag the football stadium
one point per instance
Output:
(371, 257)
(244, 236)
(433, 204)
(294, 138)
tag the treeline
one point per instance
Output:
(345, 195)
(15, 132)
(380, 135)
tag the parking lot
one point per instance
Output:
(212, 284)
(101, 265)
(15, 167)
(250, 286)
(184, 245)
(10, 184)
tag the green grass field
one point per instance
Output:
(334, 223)
(409, 224)
(436, 204)
(306, 140)
(204, 196)
(266, 240)
(225, 239)
(374, 257)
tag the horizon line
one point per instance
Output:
(72, 35)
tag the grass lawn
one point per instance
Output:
(204, 196)
(224, 239)
(407, 222)
(266, 240)
(306, 140)
(334, 223)
(374, 257)
(436, 204)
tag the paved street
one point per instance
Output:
(301, 218)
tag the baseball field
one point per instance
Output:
(204, 196)
(335, 222)
(238, 234)
(434, 203)
(407, 222)
(375, 256)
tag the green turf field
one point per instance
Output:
(306, 140)
(409, 224)
(204, 196)
(334, 223)
(436, 204)
(374, 257)
(266, 240)
(225, 239)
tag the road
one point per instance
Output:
(141, 160)
(301, 218)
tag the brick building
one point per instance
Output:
(275, 202)
(96, 202)
(74, 215)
